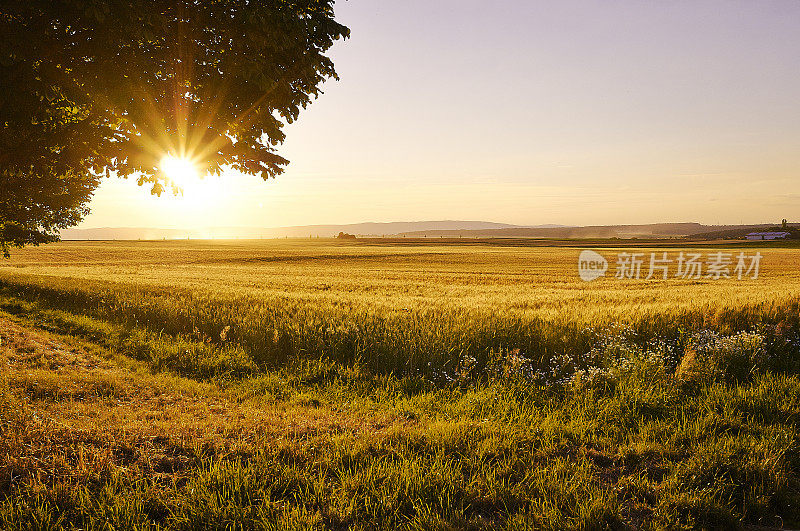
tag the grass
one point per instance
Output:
(320, 385)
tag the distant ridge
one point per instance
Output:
(653, 230)
(424, 229)
(305, 231)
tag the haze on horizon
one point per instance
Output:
(573, 112)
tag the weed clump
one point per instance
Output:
(710, 357)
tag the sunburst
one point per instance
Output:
(181, 171)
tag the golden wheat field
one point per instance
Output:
(375, 384)
(537, 281)
(398, 306)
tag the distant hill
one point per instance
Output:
(323, 231)
(655, 230)
(427, 229)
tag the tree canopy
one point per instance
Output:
(90, 87)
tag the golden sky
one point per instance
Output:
(570, 112)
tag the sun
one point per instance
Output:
(192, 189)
(180, 170)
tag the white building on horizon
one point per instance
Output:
(768, 235)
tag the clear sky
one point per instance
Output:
(528, 112)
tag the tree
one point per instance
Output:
(90, 87)
(34, 207)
